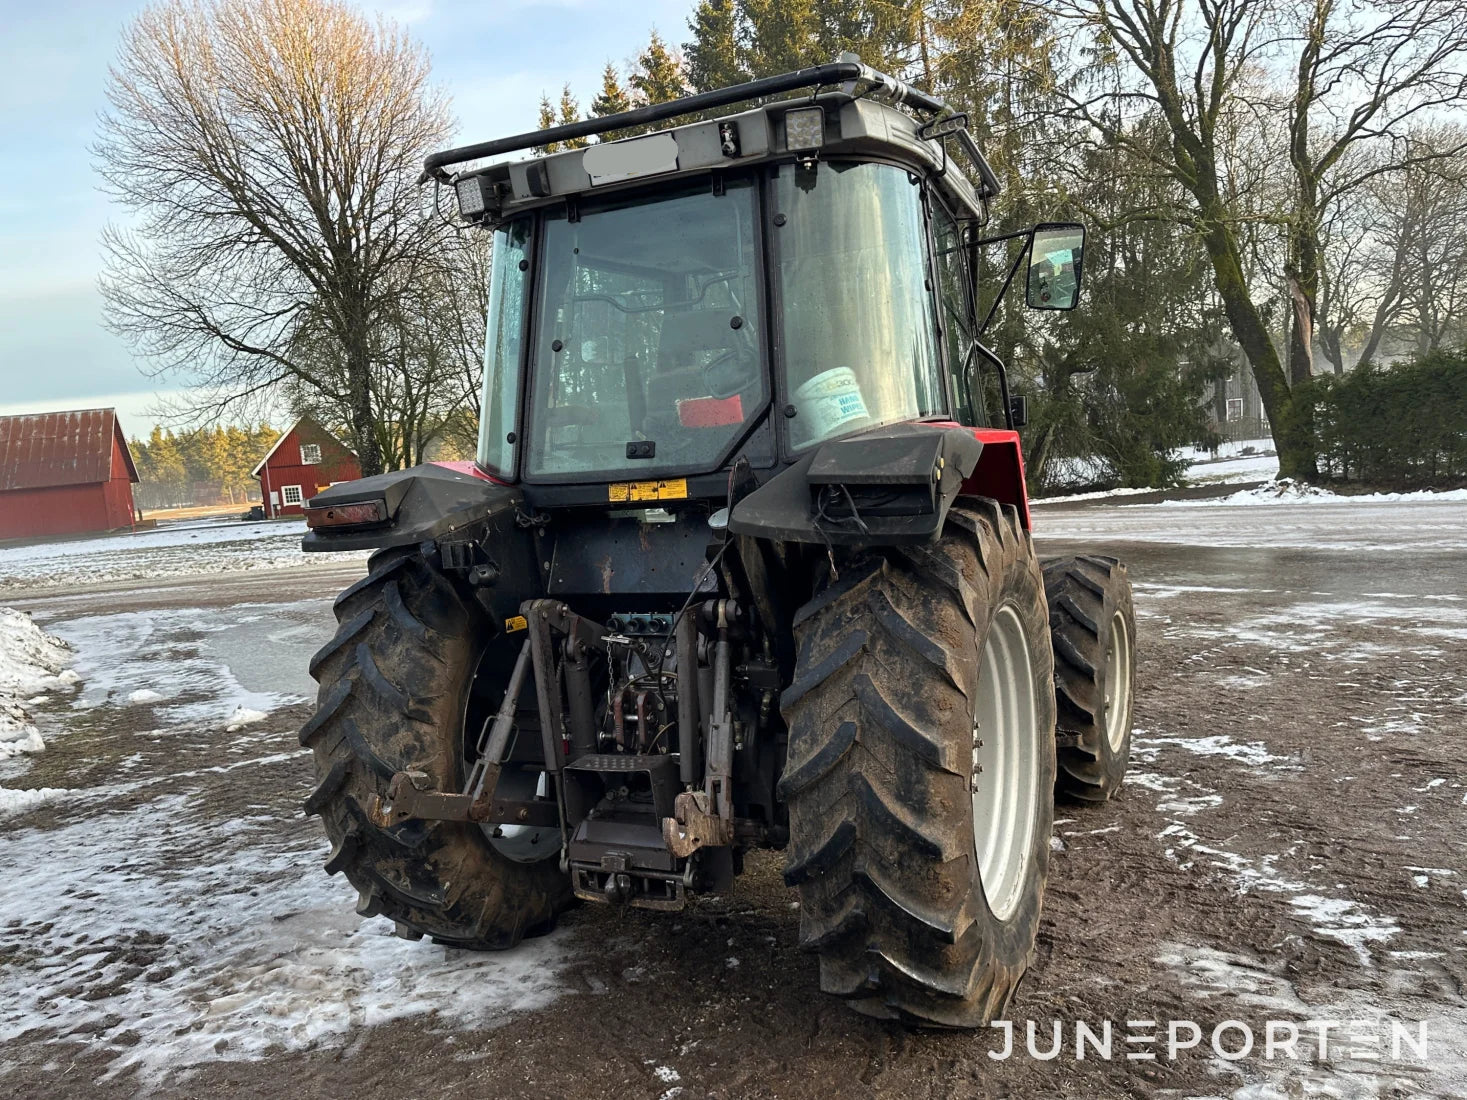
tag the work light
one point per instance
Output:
(470, 191)
(804, 129)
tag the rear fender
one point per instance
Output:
(413, 506)
(884, 487)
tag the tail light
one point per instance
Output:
(346, 515)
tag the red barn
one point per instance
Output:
(64, 473)
(305, 460)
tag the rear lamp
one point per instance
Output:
(471, 200)
(804, 129)
(346, 515)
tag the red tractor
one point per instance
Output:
(744, 560)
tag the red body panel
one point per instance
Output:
(465, 466)
(1000, 470)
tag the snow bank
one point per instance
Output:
(1288, 491)
(16, 801)
(31, 661)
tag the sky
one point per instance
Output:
(494, 58)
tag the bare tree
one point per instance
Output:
(1366, 72)
(1360, 73)
(266, 152)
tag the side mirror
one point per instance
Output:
(1056, 257)
(1018, 410)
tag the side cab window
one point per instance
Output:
(955, 301)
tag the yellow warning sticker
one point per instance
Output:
(514, 623)
(630, 492)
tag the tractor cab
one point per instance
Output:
(753, 285)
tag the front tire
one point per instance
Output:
(1093, 624)
(394, 695)
(920, 875)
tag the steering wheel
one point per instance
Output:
(731, 372)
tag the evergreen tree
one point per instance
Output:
(570, 111)
(545, 121)
(658, 77)
(613, 98)
(783, 35)
(711, 59)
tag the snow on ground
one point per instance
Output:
(1240, 448)
(31, 662)
(178, 913)
(1245, 460)
(1227, 465)
(1430, 524)
(1101, 494)
(1371, 1052)
(1186, 844)
(170, 551)
(1224, 471)
(242, 944)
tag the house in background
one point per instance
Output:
(64, 473)
(305, 460)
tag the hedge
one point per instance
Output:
(1403, 426)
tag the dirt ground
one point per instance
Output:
(1291, 845)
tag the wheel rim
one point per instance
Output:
(1005, 764)
(523, 843)
(1117, 682)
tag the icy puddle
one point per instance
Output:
(191, 665)
(174, 938)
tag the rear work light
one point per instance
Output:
(346, 515)
(804, 129)
(471, 197)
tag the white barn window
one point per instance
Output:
(1235, 409)
(290, 494)
(310, 454)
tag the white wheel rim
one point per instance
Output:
(524, 843)
(1117, 682)
(1005, 764)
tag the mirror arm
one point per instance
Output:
(1013, 270)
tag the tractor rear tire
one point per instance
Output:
(394, 696)
(1093, 624)
(914, 667)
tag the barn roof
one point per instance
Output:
(44, 450)
(286, 434)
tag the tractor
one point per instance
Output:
(744, 559)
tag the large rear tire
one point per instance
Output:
(394, 695)
(1093, 624)
(921, 874)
